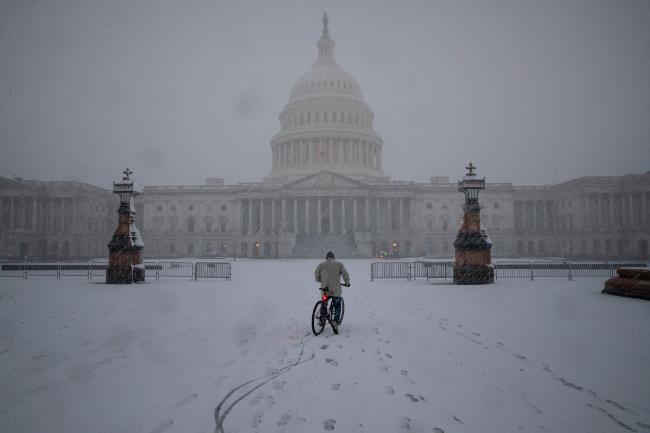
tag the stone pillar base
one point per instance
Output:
(120, 274)
(632, 283)
(473, 274)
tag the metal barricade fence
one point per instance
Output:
(13, 269)
(72, 269)
(513, 269)
(42, 269)
(176, 269)
(152, 270)
(213, 270)
(97, 269)
(390, 270)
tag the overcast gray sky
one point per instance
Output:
(185, 90)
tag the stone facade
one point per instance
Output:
(327, 190)
(54, 220)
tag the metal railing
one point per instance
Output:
(390, 270)
(154, 270)
(530, 269)
(213, 270)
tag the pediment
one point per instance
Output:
(324, 179)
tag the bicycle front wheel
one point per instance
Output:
(317, 319)
(342, 311)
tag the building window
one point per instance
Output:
(190, 224)
(429, 205)
(208, 226)
(223, 207)
(223, 226)
(430, 225)
(172, 207)
(445, 225)
(444, 206)
(159, 207)
(190, 207)
(496, 205)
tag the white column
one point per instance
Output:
(331, 216)
(610, 199)
(401, 215)
(295, 215)
(261, 215)
(273, 216)
(366, 224)
(283, 216)
(354, 213)
(319, 217)
(644, 211)
(307, 228)
(343, 215)
(250, 216)
(377, 228)
(390, 215)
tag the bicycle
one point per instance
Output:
(324, 312)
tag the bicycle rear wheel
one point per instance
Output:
(330, 308)
(317, 319)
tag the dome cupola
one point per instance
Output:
(326, 125)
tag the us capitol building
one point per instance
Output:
(327, 191)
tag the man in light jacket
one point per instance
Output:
(328, 273)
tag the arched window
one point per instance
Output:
(190, 224)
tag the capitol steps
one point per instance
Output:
(317, 245)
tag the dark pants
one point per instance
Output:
(336, 308)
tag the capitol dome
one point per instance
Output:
(326, 125)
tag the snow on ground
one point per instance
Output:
(519, 355)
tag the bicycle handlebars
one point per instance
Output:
(326, 289)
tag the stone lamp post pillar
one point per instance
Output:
(125, 248)
(473, 248)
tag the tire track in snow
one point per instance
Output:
(219, 416)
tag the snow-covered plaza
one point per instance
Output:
(548, 355)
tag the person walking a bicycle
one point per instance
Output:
(328, 273)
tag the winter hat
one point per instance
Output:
(329, 255)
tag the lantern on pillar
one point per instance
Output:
(473, 248)
(125, 248)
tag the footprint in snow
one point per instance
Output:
(411, 397)
(284, 420)
(324, 346)
(388, 355)
(328, 424)
(405, 423)
(332, 361)
(390, 390)
(257, 420)
(336, 386)
(279, 385)
(404, 372)
(438, 430)
(476, 334)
